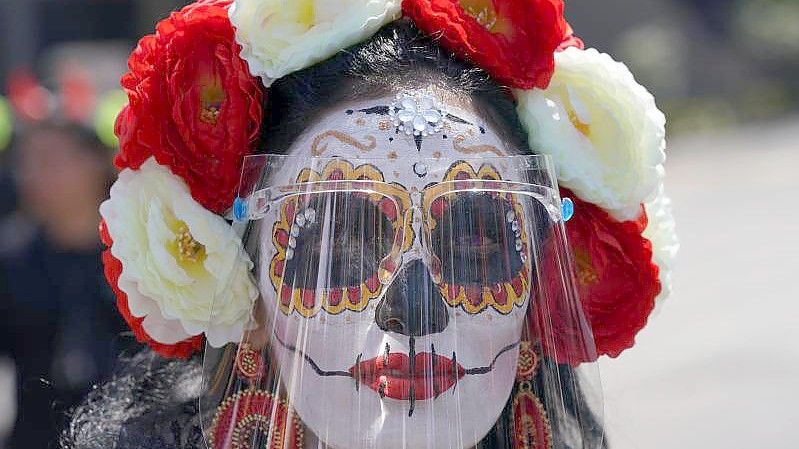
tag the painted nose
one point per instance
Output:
(412, 305)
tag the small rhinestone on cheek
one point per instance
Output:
(310, 215)
(510, 217)
(289, 254)
(300, 220)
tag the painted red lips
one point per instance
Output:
(394, 376)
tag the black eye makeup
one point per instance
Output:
(475, 242)
(349, 235)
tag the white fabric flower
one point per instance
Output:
(665, 245)
(183, 267)
(602, 128)
(279, 37)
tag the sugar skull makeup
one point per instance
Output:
(399, 245)
(394, 294)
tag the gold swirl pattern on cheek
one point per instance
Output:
(320, 144)
(502, 296)
(308, 302)
(457, 143)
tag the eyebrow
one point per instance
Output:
(474, 149)
(319, 145)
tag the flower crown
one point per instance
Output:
(196, 90)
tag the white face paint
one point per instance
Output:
(342, 369)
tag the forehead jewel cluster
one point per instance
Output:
(197, 89)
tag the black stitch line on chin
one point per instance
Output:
(412, 370)
(436, 393)
(489, 368)
(311, 362)
(357, 375)
(455, 372)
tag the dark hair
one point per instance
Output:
(150, 403)
(137, 409)
(399, 56)
(85, 137)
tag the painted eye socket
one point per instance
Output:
(342, 247)
(329, 250)
(475, 242)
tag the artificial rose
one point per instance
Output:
(513, 40)
(665, 245)
(603, 130)
(616, 281)
(279, 37)
(569, 39)
(192, 103)
(184, 270)
(113, 270)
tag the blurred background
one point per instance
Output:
(717, 367)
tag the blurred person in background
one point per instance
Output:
(57, 315)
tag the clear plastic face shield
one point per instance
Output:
(404, 311)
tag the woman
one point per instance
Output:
(397, 272)
(50, 282)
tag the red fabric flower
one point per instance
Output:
(513, 40)
(616, 280)
(192, 103)
(569, 39)
(113, 269)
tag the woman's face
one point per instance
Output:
(56, 176)
(421, 351)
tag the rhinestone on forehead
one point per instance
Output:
(417, 114)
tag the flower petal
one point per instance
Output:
(602, 129)
(617, 282)
(661, 232)
(183, 270)
(513, 40)
(192, 103)
(279, 37)
(113, 270)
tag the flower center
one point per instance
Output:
(306, 14)
(211, 97)
(584, 128)
(586, 274)
(189, 249)
(210, 114)
(486, 15)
